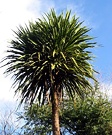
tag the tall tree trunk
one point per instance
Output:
(55, 114)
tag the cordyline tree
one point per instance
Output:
(48, 57)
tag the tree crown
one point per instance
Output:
(52, 52)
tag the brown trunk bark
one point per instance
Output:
(55, 114)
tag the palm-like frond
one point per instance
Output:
(54, 45)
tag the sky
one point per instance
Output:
(96, 14)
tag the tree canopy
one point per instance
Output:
(56, 44)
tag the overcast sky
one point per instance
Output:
(97, 15)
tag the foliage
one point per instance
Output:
(40, 116)
(52, 52)
(92, 116)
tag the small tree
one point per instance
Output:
(48, 57)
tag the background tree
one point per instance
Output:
(48, 57)
(9, 124)
(92, 116)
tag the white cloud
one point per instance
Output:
(12, 14)
(106, 88)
